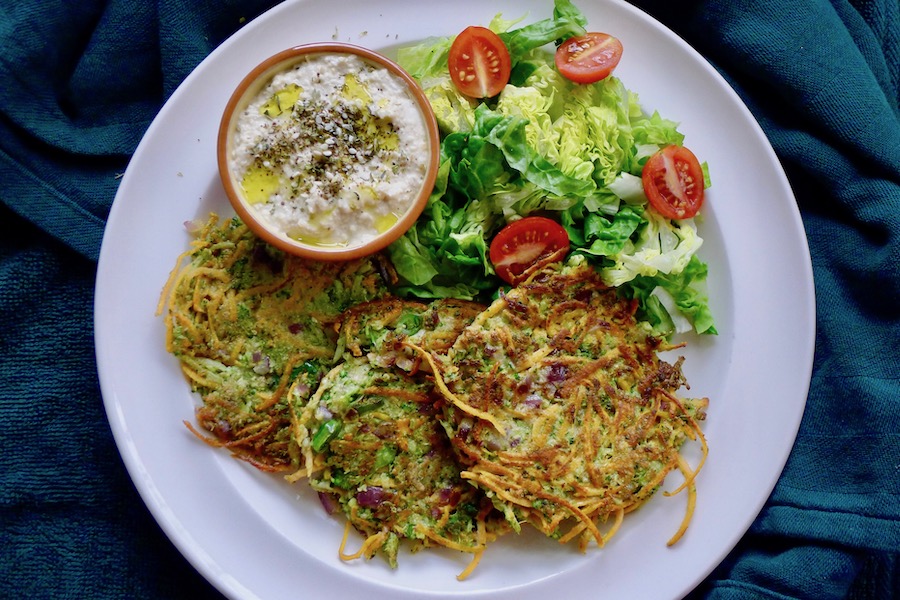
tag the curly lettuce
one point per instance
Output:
(549, 145)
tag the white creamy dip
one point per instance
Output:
(332, 151)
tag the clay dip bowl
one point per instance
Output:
(328, 151)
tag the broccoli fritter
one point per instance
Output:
(560, 408)
(247, 321)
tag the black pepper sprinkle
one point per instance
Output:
(340, 138)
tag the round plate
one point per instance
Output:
(253, 535)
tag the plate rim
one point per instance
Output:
(172, 525)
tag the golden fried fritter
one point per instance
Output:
(560, 408)
(374, 444)
(246, 321)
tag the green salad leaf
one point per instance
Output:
(545, 144)
(567, 22)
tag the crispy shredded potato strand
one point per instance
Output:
(689, 476)
(368, 549)
(450, 396)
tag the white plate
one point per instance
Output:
(252, 535)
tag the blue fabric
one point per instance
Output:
(823, 79)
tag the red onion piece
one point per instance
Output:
(532, 401)
(194, 226)
(450, 495)
(371, 497)
(558, 372)
(328, 503)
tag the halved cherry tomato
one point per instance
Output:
(479, 63)
(588, 58)
(673, 182)
(522, 243)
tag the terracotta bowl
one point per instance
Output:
(242, 97)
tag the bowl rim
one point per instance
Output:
(255, 80)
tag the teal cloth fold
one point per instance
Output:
(823, 79)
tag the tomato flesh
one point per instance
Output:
(673, 182)
(479, 63)
(523, 243)
(588, 58)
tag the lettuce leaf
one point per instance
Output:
(687, 290)
(547, 144)
(660, 246)
(445, 253)
(609, 235)
(426, 59)
(567, 22)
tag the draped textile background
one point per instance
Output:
(823, 79)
